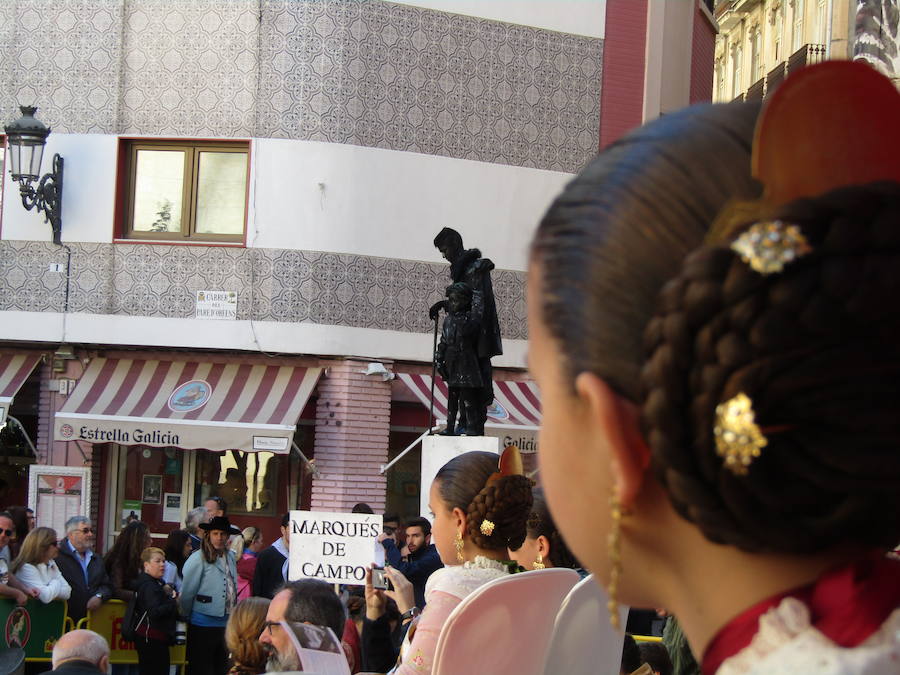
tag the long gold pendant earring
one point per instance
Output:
(539, 563)
(458, 543)
(615, 560)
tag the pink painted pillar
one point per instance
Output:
(352, 427)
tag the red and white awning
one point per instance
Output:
(15, 367)
(187, 404)
(516, 404)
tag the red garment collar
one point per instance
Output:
(847, 604)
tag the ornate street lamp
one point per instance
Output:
(26, 138)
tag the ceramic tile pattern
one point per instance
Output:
(361, 72)
(272, 284)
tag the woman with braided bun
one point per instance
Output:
(720, 373)
(543, 546)
(478, 513)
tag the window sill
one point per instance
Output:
(175, 242)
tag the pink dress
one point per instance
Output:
(246, 566)
(445, 589)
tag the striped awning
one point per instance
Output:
(15, 367)
(516, 404)
(187, 404)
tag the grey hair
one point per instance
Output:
(88, 646)
(194, 518)
(73, 523)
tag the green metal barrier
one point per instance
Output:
(34, 626)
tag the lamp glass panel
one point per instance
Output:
(221, 192)
(31, 158)
(158, 191)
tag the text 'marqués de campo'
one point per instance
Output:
(335, 547)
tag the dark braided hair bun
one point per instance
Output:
(540, 524)
(817, 349)
(506, 502)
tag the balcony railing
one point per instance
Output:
(763, 87)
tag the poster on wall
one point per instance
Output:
(56, 493)
(152, 492)
(172, 507)
(131, 511)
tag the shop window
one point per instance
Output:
(190, 192)
(150, 489)
(247, 481)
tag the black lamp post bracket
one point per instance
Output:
(47, 197)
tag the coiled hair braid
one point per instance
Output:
(816, 349)
(506, 502)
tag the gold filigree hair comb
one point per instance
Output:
(738, 438)
(769, 245)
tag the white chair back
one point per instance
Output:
(584, 642)
(504, 626)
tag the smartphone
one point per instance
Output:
(380, 579)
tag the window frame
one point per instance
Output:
(192, 149)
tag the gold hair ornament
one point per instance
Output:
(738, 438)
(487, 527)
(769, 245)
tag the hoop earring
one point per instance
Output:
(458, 543)
(539, 563)
(614, 542)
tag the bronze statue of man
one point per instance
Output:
(467, 265)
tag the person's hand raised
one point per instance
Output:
(403, 593)
(375, 598)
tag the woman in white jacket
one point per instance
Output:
(36, 566)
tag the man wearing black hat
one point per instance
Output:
(208, 595)
(467, 265)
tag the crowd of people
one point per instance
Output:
(713, 321)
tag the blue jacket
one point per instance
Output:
(417, 568)
(204, 588)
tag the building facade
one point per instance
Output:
(239, 307)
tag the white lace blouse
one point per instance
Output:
(787, 643)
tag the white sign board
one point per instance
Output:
(216, 305)
(335, 547)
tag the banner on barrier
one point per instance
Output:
(107, 621)
(34, 626)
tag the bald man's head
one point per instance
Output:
(82, 645)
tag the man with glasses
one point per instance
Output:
(82, 568)
(306, 601)
(10, 586)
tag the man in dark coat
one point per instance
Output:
(272, 564)
(467, 265)
(81, 652)
(82, 568)
(417, 560)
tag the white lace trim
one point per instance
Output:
(480, 562)
(460, 580)
(786, 642)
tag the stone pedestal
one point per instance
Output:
(438, 450)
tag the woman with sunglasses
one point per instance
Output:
(35, 566)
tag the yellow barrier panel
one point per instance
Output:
(647, 638)
(107, 621)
